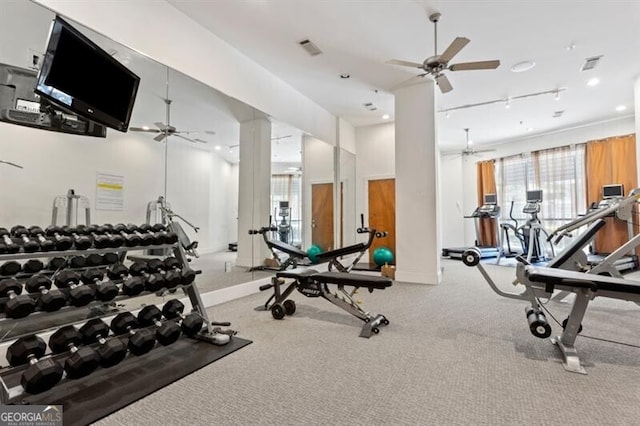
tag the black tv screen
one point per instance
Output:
(490, 199)
(79, 76)
(612, 191)
(534, 196)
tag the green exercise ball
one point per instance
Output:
(313, 252)
(382, 255)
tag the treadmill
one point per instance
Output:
(611, 195)
(489, 211)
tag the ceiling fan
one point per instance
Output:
(436, 64)
(468, 150)
(163, 131)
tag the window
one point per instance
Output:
(558, 172)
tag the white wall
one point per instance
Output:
(347, 135)
(158, 30)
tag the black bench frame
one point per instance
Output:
(295, 254)
(312, 283)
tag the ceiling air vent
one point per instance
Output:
(590, 63)
(558, 114)
(310, 47)
(370, 106)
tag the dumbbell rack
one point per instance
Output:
(43, 322)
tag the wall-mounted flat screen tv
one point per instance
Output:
(81, 77)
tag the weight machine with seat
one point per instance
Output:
(541, 282)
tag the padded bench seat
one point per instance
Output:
(341, 251)
(355, 280)
(296, 273)
(562, 277)
(288, 248)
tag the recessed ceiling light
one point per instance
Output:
(621, 108)
(345, 75)
(292, 168)
(386, 116)
(529, 129)
(593, 82)
(523, 66)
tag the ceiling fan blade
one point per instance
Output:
(453, 49)
(479, 65)
(160, 137)
(477, 151)
(443, 83)
(142, 129)
(160, 125)
(404, 63)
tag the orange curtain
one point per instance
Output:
(611, 161)
(486, 185)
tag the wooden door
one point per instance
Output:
(382, 214)
(322, 215)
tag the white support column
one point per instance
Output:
(254, 190)
(417, 236)
(636, 91)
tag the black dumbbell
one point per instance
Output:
(77, 262)
(172, 278)
(111, 351)
(79, 295)
(28, 245)
(141, 340)
(152, 282)
(158, 237)
(100, 240)
(188, 275)
(116, 239)
(10, 268)
(19, 305)
(56, 263)
(49, 300)
(146, 239)
(110, 258)
(93, 259)
(131, 286)
(62, 242)
(80, 240)
(83, 361)
(105, 290)
(42, 373)
(32, 266)
(38, 234)
(130, 240)
(8, 243)
(3, 248)
(170, 237)
(191, 324)
(167, 332)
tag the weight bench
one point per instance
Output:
(295, 254)
(586, 288)
(565, 273)
(312, 283)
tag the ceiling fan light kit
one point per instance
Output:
(436, 65)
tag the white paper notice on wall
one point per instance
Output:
(109, 191)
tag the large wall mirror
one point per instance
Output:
(195, 169)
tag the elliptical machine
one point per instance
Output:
(529, 233)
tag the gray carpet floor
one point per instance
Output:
(454, 354)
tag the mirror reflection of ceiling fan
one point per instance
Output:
(163, 131)
(436, 65)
